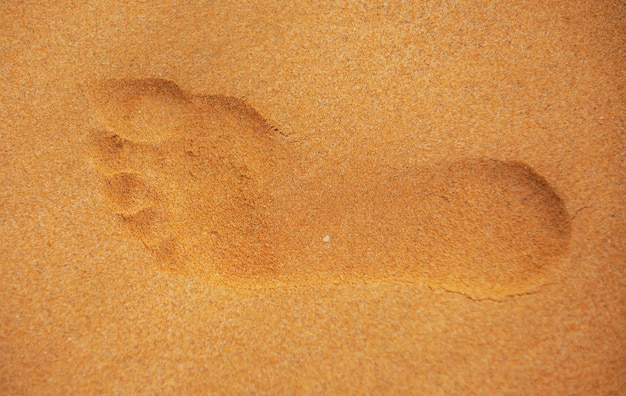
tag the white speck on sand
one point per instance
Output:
(326, 238)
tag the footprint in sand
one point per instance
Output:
(212, 191)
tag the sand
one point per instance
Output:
(313, 198)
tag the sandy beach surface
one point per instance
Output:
(313, 198)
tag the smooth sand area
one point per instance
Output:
(363, 198)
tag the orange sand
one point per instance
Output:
(312, 198)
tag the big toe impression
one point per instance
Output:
(143, 110)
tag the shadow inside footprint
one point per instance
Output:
(211, 190)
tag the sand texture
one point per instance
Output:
(324, 198)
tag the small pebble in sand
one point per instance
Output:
(326, 238)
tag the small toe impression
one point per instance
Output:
(127, 192)
(110, 151)
(150, 225)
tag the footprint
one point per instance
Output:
(212, 191)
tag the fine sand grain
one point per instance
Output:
(355, 198)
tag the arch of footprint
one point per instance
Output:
(212, 191)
